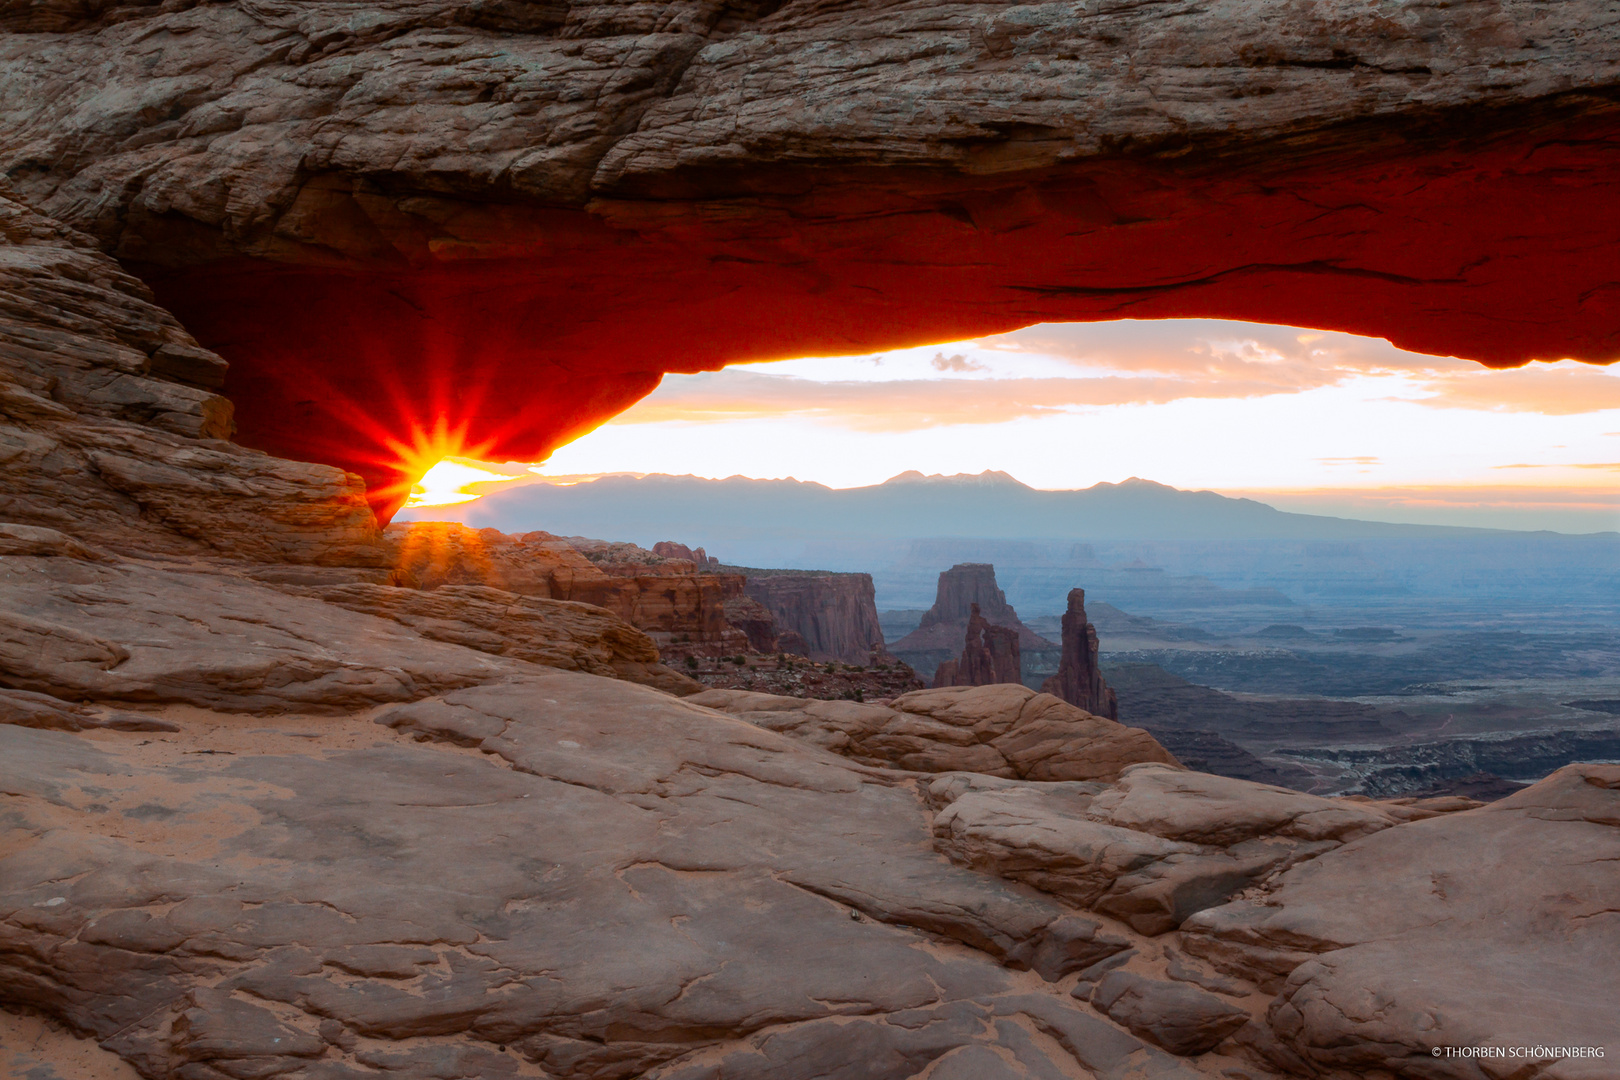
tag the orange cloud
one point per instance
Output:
(1291, 358)
(908, 404)
(1125, 363)
(1564, 389)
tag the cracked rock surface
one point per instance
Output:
(615, 886)
(1497, 926)
(1003, 730)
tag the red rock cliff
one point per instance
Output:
(683, 611)
(835, 615)
(450, 224)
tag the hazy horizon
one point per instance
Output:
(1308, 421)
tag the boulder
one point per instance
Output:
(1002, 730)
(1204, 809)
(1181, 1018)
(1151, 849)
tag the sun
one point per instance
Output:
(449, 482)
(447, 468)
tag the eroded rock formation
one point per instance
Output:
(669, 549)
(478, 207)
(682, 610)
(1079, 679)
(963, 589)
(989, 655)
(833, 615)
(1000, 730)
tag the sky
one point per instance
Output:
(1306, 420)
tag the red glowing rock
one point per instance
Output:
(446, 230)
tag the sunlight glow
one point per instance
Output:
(1319, 418)
(450, 482)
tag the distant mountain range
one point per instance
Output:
(1189, 556)
(909, 506)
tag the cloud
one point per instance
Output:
(1567, 388)
(958, 363)
(1053, 368)
(1198, 351)
(911, 404)
(1205, 349)
(1605, 466)
(1363, 460)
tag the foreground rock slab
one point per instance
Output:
(1152, 849)
(1490, 928)
(556, 875)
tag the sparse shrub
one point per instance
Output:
(691, 662)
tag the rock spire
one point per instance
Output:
(990, 654)
(1079, 679)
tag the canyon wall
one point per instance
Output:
(434, 225)
(682, 610)
(113, 429)
(833, 615)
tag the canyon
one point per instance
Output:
(292, 794)
(292, 791)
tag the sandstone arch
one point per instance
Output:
(510, 219)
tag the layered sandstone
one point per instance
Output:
(833, 615)
(499, 197)
(669, 549)
(1079, 678)
(989, 655)
(682, 610)
(963, 589)
(112, 427)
